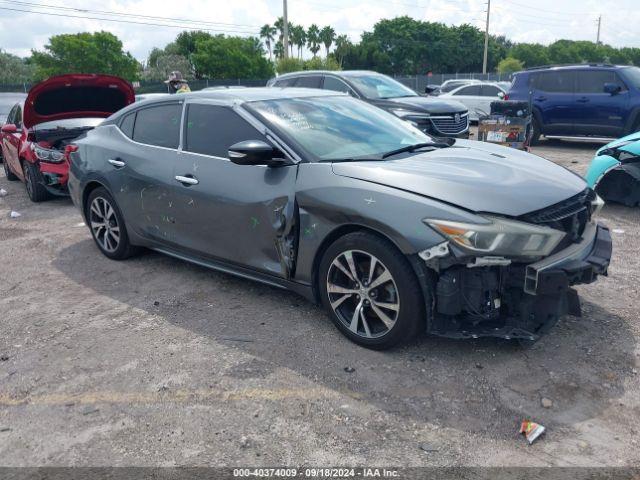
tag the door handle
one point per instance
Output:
(540, 99)
(116, 162)
(187, 180)
(582, 100)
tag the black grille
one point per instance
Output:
(570, 216)
(451, 124)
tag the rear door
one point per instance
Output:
(230, 212)
(140, 166)
(600, 113)
(553, 96)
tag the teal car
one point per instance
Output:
(614, 172)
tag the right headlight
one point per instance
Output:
(500, 237)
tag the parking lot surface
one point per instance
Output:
(154, 361)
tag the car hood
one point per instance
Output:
(630, 143)
(476, 176)
(76, 96)
(432, 105)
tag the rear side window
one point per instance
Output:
(126, 125)
(159, 126)
(309, 81)
(285, 82)
(593, 81)
(553, 82)
(490, 91)
(470, 90)
(212, 129)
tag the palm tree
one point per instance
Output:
(278, 49)
(298, 38)
(313, 39)
(267, 32)
(327, 35)
(341, 42)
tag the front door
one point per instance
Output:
(601, 113)
(236, 213)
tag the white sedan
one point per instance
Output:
(476, 97)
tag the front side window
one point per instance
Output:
(11, 115)
(553, 82)
(309, 81)
(336, 85)
(380, 86)
(212, 129)
(490, 91)
(285, 82)
(159, 125)
(632, 75)
(335, 128)
(593, 81)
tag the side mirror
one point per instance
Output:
(256, 152)
(9, 128)
(501, 95)
(612, 88)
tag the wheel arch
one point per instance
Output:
(86, 191)
(633, 121)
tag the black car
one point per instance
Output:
(441, 118)
(393, 231)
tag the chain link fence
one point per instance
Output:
(416, 82)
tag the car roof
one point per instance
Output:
(337, 73)
(477, 84)
(576, 66)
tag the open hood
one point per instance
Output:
(76, 96)
(477, 176)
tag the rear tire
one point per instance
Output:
(107, 225)
(36, 191)
(536, 131)
(12, 177)
(370, 291)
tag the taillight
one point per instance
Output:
(506, 96)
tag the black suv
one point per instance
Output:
(437, 117)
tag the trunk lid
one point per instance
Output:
(76, 96)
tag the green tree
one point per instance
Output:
(278, 49)
(231, 57)
(298, 38)
(98, 52)
(530, 54)
(268, 33)
(327, 36)
(510, 65)
(342, 45)
(186, 45)
(313, 39)
(14, 69)
(287, 65)
(163, 64)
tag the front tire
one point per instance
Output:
(536, 131)
(12, 177)
(370, 291)
(107, 225)
(36, 191)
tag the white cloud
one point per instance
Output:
(521, 20)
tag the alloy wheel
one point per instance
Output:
(104, 224)
(363, 293)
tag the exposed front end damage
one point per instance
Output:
(476, 296)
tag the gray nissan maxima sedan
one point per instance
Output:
(393, 231)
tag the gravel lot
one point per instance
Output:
(154, 361)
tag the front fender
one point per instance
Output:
(329, 203)
(599, 167)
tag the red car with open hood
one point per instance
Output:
(39, 131)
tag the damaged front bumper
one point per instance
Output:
(517, 300)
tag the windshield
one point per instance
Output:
(632, 74)
(380, 86)
(338, 128)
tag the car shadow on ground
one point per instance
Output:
(477, 386)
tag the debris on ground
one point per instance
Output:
(4, 358)
(531, 430)
(3, 192)
(546, 403)
(5, 429)
(15, 214)
(90, 410)
(427, 448)
(349, 369)
(617, 230)
(244, 442)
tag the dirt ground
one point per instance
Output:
(154, 361)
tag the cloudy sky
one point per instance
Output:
(522, 20)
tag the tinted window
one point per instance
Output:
(285, 82)
(308, 82)
(593, 81)
(332, 83)
(159, 125)
(490, 91)
(17, 116)
(11, 114)
(554, 82)
(126, 125)
(380, 86)
(470, 90)
(211, 130)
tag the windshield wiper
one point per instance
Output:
(416, 146)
